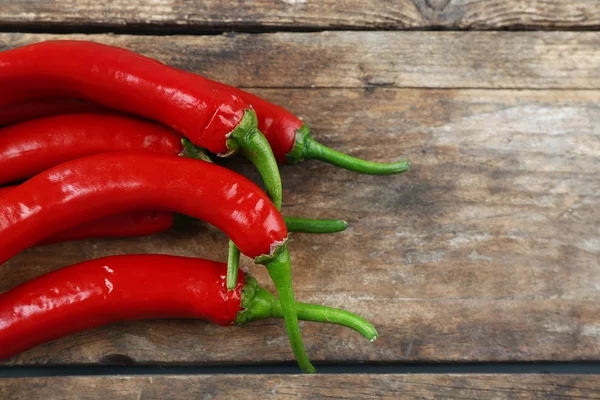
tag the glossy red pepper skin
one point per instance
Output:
(277, 124)
(140, 85)
(123, 80)
(31, 147)
(90, 188)
(28, 109)
(137, 223)
(111, 289)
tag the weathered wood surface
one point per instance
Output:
(127, 15)
(546, 387)
(537, 60)
(487, 250)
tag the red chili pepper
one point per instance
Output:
(134, 287)
(31, 147)
(291, 141)
(94, 187)
(142, 223)
(207, 114)
(288, 136)
(25, 110)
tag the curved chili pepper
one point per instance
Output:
(143, 223)
(93, 187)
(28, 109)
(31, 147)
(211, 117)
(291, 141)
(288, 136)
(124, 288)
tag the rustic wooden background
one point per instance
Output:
(487, 250)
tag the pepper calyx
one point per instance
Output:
(248, 140)
(277, 248)
(247, 124)
(256, 303)
(298, 152)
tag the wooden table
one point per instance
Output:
(487, 251)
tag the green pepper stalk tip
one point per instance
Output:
(306, 148)
(315, 225)
(279, 266)
(233, 263)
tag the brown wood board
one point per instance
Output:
(487, 250)
(199, 15)
(360, 386)
(537, 60)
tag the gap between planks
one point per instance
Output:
(194, 15)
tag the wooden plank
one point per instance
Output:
(130, 16)
(511, 14)
(538, 60)
(451, 386)
(487, 250)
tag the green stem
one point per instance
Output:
(253, 145)
(306, 147)
(233, 265)
(247, 139)
(233, 258)
(301, 225)
(233, 262)
(259, 304)
(279, 266)
(305, 225)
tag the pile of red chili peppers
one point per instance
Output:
(98, 141)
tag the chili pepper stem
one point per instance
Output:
(279, 266)
(233, 262)
(306, 148)
(258, 304)
(315, 225)
(293, 225)
(248, 140)
(233, 265)
(233, 259)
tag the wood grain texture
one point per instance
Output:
(538, 60)
(187, 15)
(546, 387)
(487, 250)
